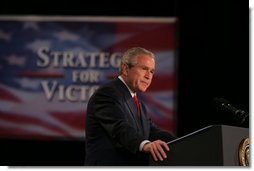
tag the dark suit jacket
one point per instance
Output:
(113, 129)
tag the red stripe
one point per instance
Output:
(152, 36)
(162, 82)
(8, 96)
(40, 74)
(76, 118)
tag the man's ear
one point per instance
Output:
(125, 69)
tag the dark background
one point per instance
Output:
(213, 61)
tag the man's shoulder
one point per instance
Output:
(112, 86)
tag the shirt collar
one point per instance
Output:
(132, 93)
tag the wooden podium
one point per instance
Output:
(216, 145)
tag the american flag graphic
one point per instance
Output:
(50, 66)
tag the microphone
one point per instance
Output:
(226, 105)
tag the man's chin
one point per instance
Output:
(142, 89)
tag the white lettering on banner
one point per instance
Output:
(92, 62)
(44, 59)
(82, 59)
(85, 76)
(73, 93)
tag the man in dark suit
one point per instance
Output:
(118, 130)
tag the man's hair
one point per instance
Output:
(130, 56)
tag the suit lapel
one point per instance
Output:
(130, 103)
(132, 108)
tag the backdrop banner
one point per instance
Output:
(50, 66)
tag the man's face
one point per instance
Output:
(139, 76)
